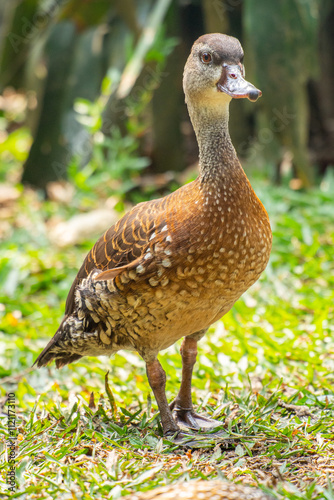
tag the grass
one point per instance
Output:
(266, 371)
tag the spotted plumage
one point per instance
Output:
(173, 266)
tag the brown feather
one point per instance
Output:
(172, 267)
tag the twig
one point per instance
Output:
(300, 411)
(15, 378)
(134, 66)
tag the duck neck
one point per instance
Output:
(217, 155)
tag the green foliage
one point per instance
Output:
(15, 140)
(275, 348)
(113, 167)
(60, 51)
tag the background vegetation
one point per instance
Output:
(54, 52)
(93, 120)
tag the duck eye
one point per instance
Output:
(206, 57)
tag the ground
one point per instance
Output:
(266, 371)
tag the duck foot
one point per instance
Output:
(190, 440)
(180, 438)
(187, 418)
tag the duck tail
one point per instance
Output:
(59, 347)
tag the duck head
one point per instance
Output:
(214, 71)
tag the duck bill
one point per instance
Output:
(233, 84)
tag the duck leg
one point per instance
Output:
(182, 406)
(157, 380)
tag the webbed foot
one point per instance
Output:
(187, 418)
(193, 440)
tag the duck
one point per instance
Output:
(202, 490)
(173, 266)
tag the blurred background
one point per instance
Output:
(91, 91)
